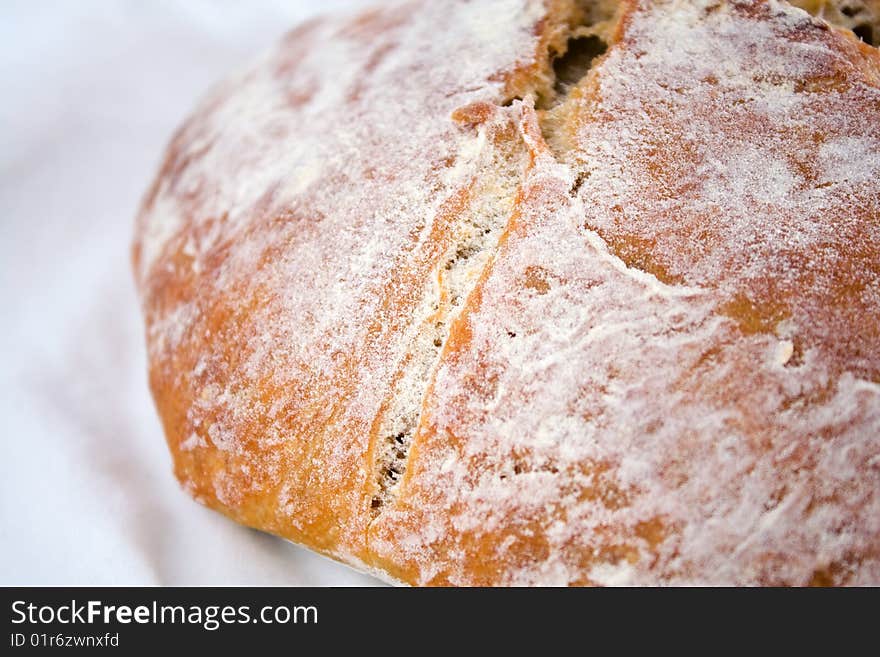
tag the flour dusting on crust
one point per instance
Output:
(628, 337)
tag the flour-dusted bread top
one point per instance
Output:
(515, 292)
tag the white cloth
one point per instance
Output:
(91, 91)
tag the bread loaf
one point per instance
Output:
(514, 292)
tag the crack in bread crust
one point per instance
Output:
(474, 230)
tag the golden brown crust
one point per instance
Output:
(624, 330)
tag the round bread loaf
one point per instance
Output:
(515, 292)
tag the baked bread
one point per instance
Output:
(511, 293)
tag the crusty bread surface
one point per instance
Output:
(514, 292)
